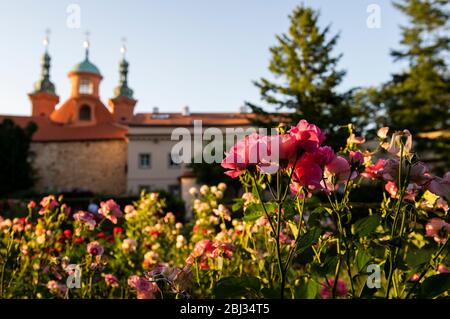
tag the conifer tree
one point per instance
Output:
(306, 77)
(418, 97)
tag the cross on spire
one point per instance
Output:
(87, 44)
(123, 48)
(46, 40)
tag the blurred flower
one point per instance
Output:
(398, 138)
(374, 171)
(111, 280)
(441, 186)
(145, 289)
(438, 229)
(95, 249)
(86, 218)
(353, 139)
(382, 132)
(48, 203)
(110, 210)
(442, 269)
(129, 245)
(31, 204)
(326, 291)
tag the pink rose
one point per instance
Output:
(374, 171)
(308, 136)
(438, 229)
(307, 173)
(145, 289)
(86, 218)
(111, 280)
(95, 249)
(242, 155)
(110, 210)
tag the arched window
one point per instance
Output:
(86, 87)
(85, 113)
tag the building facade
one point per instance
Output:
(84, 144)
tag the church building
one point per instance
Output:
(83, 144)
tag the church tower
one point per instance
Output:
(84, 107)
(44, 98)
(122, 104)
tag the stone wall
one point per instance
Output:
(96, 166)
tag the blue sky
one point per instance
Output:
(201, 53)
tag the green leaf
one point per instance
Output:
(235, 287)
(367, 225)
(434, 286)
(308, 239)
(255, 211)
(362, 259)
(308, 290)
(316, 215)
(237, 205)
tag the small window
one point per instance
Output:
(174, 190)
(173, 161)
(85, 113)
(145, 161)
(86, 87)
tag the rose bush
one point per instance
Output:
(294, 232)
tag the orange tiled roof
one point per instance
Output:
(178, 119)
(49, 131)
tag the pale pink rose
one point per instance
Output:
(56, 288)
(336, 173)
(111, 280)
(392, 189)
(222, 249)
(95, 249)
(438, 229)
(86, 218)
(49, 203)
(414, 278)
(326, 291)
(396, 140)
(110, 210)
(382, 132)
(145, 289)
(202, 247)
(442, 204)
(353, 139)
(442, 269)
(31, 205)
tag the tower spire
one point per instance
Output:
(87, 44)
(122, 89)
(44, 84)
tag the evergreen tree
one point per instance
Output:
(15, 167)
(306, 77)
(418, 97)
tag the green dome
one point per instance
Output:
(86, 66)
